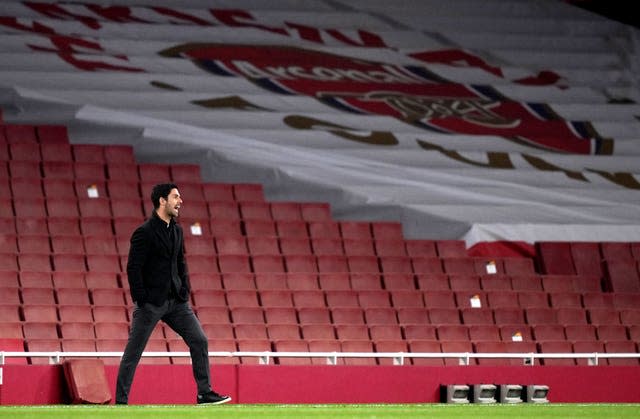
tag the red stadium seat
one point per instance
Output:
(356, 230)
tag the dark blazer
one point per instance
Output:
(153, 263)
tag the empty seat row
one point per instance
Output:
(45, 262)
(65, 296)
(62, 279)
(582, 257)
(11, 134)
(327, 347)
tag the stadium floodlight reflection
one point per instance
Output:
(510, 393)
(454, 393)
(484, 393)
(537, 393)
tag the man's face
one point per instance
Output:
(171, 205)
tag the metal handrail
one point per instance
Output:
(528, 358)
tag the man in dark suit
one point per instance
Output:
(159, 284)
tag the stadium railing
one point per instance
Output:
(332, 357)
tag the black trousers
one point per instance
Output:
(178, 316)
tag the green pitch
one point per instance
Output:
(404, 411)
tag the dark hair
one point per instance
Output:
(161, 190)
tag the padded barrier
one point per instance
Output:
(86, 381)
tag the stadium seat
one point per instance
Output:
(502, 299)
(365, 281)
(267, 263)
(211, 281)
(591, 299)
(453, 332)
(555, 258)
(462, 282)
(425, 346)
(458, 347)
(560, 346)
(109, 313)
(611, 332)
(433, 282)
(218, 331)
(295, 246)
(315, 211)
(533, 299)
(255, 211)
(327, 246)
(287, 345)
(571, 315)
(300, 264)
(278, 332)
(312, 332)
(280, 315)
(355, 230)
(624, 300)
(238, 281)
(406, 298)
(358, 346)
(526, 283)
(358, 247)
(603, 316)
(341, 298)
(323, 229)
(285, 211)
(580, 332)
(515, 333)
(470, 299)
(247, 315)
(276, 298)
(77, 330)
(419, 332)
(624, 346)
(587, 259)
(328, 346)
(39, 313)
(589, 347)
(313, 316)
(458, 265)
(476, 316)
(391, 346)
(425, 265)
(363, 264)
(332, 263)
(302, 281)
(420, 248)
(336, 281)
(259, 245)
(347, 315)
(206, 264)
(292, 229)
(439, 299)
(617, 251)
(538, 315)
(270, 281)
(42, 345)
(308, 298)
(441, 316)
(264, 228)
(412, 316)
(107, 297)
(248, 192)
(622, 275)
(242, 298)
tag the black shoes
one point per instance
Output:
(212, 398)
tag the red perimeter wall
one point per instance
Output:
(173, 384)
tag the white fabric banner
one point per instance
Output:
(421, 112)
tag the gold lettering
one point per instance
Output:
(544, 165)
(373, 138)
(495, 160)
(624, 179)
(228, 102)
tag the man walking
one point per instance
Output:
(159, 285)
